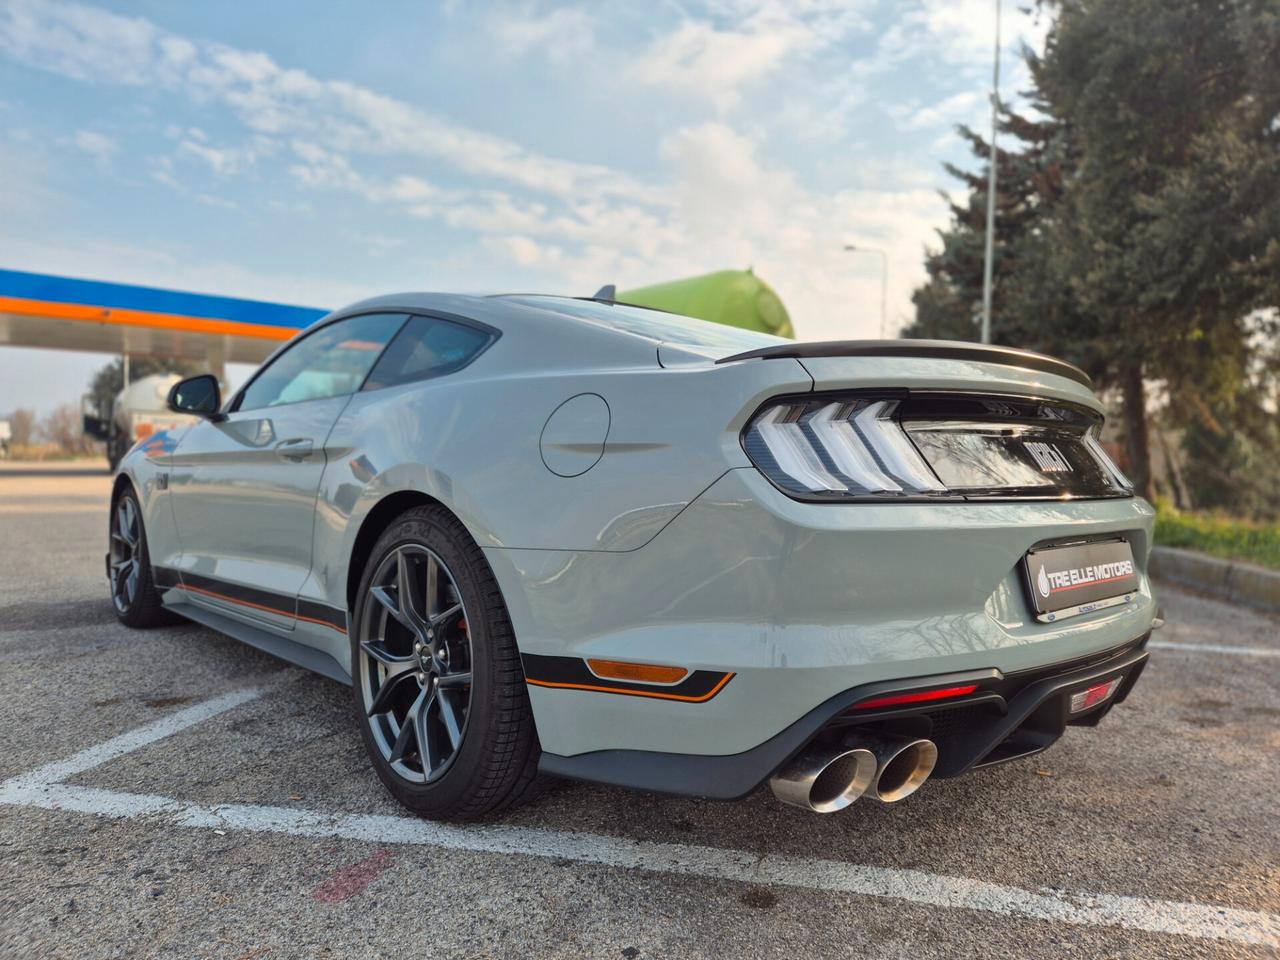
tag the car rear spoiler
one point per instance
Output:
(933, 349)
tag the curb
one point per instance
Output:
(1233, 580)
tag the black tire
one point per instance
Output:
(494, 765)
(137, 605)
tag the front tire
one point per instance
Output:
(439, 690)
(133, 591)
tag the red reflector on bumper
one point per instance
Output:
(898, 699)
(1094, 695)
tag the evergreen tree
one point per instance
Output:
(1141, 236)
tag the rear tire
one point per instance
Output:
(133, 591)
(443, 670)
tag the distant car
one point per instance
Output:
(545, 534)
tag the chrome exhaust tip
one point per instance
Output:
(903, 764)
(825, 779)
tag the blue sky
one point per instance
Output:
(316, 154)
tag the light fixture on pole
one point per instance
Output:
(989, 252)
(884, 277)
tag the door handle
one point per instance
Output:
(298, 449)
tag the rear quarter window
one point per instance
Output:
(427, 347)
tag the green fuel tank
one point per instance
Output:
(737, 298)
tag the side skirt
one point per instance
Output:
(296, 653)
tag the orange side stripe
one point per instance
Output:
(637, 693)
(324, 623)
(258, 606)
(143, 318)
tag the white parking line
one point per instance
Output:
(166, 726)
(41, 789)
(1215, 648)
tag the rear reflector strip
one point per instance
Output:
(1095, 695)
(924, 696)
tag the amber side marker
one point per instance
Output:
(636, 672)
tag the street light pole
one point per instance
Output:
(991, 192)
(884, 277)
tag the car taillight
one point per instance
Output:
(838, 447)
(1102, 456)
(930, 447)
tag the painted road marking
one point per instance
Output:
(133, 740)
(352, 880)
(1136, 913)
(40, 789)
(30, 509)
(1215, 648)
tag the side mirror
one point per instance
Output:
(198, 396)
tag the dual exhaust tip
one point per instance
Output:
(824, 779)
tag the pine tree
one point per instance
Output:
(1140, 236)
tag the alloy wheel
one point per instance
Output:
(415, 663)
(126, 537)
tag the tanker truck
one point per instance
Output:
(137, 412)
(737, 298)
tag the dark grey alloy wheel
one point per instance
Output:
(438, 684)
(133, 592)
(415, 664)
(126, 546)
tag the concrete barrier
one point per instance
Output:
(1233, 580)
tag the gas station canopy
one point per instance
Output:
(60, 313)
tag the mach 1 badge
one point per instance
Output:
(1081, 578)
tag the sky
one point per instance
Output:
(318, 154)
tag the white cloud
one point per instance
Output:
(221, 160)
(559, 35)
(700, 60)
(958, 33)
(736, 210)
(527, 252)
(81, 42)
(725, 207)
(97, 145)
(958, 108)
(737, 47)
(377, 244)
(163, 171)
(715, 200)
(91, 44)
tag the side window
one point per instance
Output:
(427, 347)
(331, 362)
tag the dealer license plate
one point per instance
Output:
(1068, 581)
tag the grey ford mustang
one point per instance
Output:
(557, 535)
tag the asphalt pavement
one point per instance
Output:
(172, 793)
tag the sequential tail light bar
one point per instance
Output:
(923, 446)
(922, 696)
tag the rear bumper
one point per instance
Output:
(1007, 718)
(800, 603)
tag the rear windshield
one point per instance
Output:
(655, 324)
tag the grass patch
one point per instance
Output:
(1220, 536)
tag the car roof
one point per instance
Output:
(553, 315)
